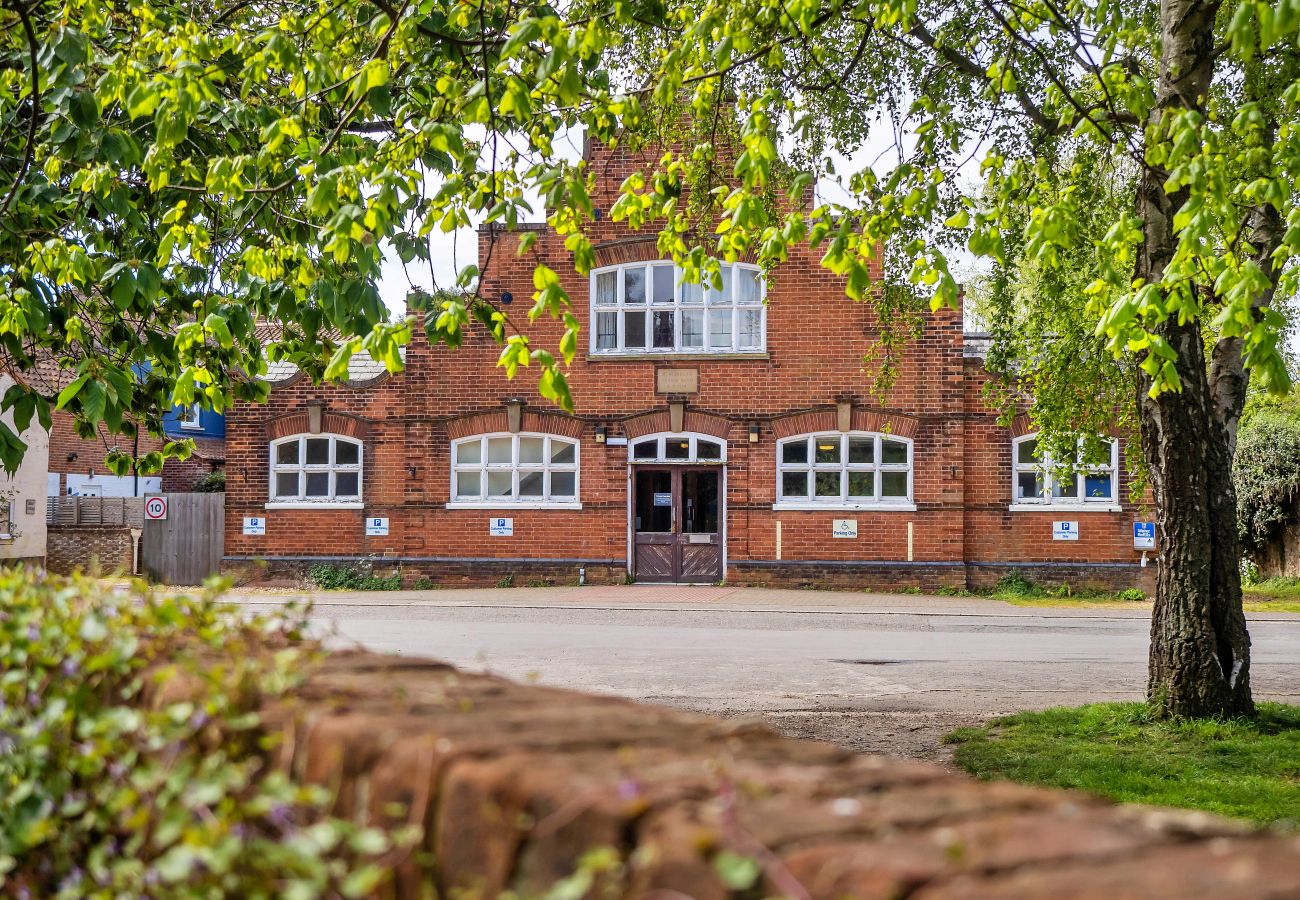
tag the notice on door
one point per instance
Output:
(844, 528)
(664, 499)
(501, 527)
(1065, 531)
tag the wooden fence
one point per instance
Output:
(185, 547)
(128, 511)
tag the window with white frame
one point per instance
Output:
(316, 468)
(505, 469)
(1037, 479)
(647, 308)
(189, 417)
(844, 470)
(678, 448)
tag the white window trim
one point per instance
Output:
(619, 307)
(483, 467)
(277, 501)
(192, 423)
(692, 458)
(1048, 503)
(844, 501)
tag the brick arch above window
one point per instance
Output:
(863, 420)
(693, 420)
(638, 249)
(497, 420)
(339, 423)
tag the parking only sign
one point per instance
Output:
(1065, 531)
(254, 525)
(1144, 535)
(155, 508)
(501, 527)
(376, 527)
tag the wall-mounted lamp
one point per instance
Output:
(601, 433)
(507, 298)
(72, 456)
(753, 433)
(410, 470)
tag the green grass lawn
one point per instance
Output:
(1246, 769)
(1275, 595)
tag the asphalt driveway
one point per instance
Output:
(886, 673)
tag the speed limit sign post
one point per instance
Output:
(155, 508)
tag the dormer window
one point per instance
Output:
(646, 308)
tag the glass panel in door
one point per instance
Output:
(700, 501)
(654, 501)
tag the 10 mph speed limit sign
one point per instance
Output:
(155, 508)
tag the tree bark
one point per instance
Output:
(1200, 649)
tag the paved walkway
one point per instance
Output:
(872, 671)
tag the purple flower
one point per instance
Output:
(198, 719)
(628, 790)
(280, 816)
(33, 699)
(33, 633)
(116, 770)
(70, 667)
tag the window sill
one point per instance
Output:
(309, 504)
(672, 355)
(1065, 507)
(506, 506)
(900, 506)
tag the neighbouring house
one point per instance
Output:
(207, 429)
(22, 495)
(719, 434)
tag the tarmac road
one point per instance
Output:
(886, 673)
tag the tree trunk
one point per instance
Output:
(1200, 650)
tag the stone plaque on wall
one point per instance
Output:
(677, 381)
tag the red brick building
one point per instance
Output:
(728, 434)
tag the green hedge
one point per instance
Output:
(105, 795)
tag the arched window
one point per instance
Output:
(678, 448)
(1037, 480)
(647, 308)
(316, 468)
(494, 470)
(848, 471)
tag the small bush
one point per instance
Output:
(423, 583)
(1017, 585)
(330, 577)
(506, 581)
(111, 790)
(1134, 595)
(211, 483)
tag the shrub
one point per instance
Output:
(113, 790)
(211, 483)
(1266, 474)
(1133, 594)
(330, 577)
(1017, 585)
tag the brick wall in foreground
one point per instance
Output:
(513, 784)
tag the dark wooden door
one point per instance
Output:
(677, 523)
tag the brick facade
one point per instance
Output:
(961, 531)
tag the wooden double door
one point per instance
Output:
(677, 514)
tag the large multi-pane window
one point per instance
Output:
(647, 308)
(519, 469)
(847, 470)
(316, 468)
(1038, 479)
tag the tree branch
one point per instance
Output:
(33, 49)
